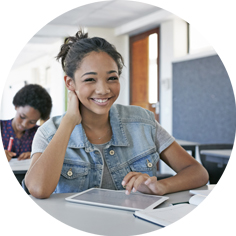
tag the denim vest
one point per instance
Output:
(131, 148)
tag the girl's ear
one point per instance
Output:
(69, 82)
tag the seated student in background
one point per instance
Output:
(32, 102)
(97, 143)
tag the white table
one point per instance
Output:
(100, 220)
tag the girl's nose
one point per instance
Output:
(102, 88)
(24, 123)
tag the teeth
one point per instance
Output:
(100, 100)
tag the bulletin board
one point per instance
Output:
(203, 101)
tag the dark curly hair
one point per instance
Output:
(35, 96)
(75, 48)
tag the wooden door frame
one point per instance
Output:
(134, 38)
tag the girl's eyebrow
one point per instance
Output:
(94, 73)
(112, 71)
(89, 73)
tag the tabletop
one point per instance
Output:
(101, 220)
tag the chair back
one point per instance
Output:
(215, 170)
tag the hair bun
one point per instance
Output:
(78, 36)
(68, 43)
(81, 35)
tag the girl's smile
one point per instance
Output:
(101, 101)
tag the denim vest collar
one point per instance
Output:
(78, 137)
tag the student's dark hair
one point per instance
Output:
(35, 96)
(75, 48)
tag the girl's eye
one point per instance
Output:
(22, 117)
(113, 78)
(89, 80)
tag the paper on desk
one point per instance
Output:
(168, 215)
(196, 199)
(199, 196)
(16, 162)
(165, 216)
(17, 165)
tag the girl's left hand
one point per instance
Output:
(24, 155)
(135, 181)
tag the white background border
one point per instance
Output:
(20, 20)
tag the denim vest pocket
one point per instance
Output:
(146, 164)
(74, 177)
(70, 171)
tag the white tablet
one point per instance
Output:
(117, 199)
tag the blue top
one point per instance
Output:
(20, 145)
(137, 140)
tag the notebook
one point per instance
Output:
(168, 215)
(165, 216)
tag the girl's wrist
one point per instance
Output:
(162, 186)
(70, 120)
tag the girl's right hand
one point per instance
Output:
(9, 154)
(73, 108)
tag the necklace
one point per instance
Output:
(102, 135)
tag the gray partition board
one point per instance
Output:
(203, 101)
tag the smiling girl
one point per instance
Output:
(97, 143)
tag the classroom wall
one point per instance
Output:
(173, 36)
(173, 43)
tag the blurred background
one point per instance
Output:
(170, 68)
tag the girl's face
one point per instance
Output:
(96, 83)
(26, 118)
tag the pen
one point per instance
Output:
(10, 144)
(176, 203)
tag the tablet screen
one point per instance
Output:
(117, 199)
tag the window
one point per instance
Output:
(153, 89)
